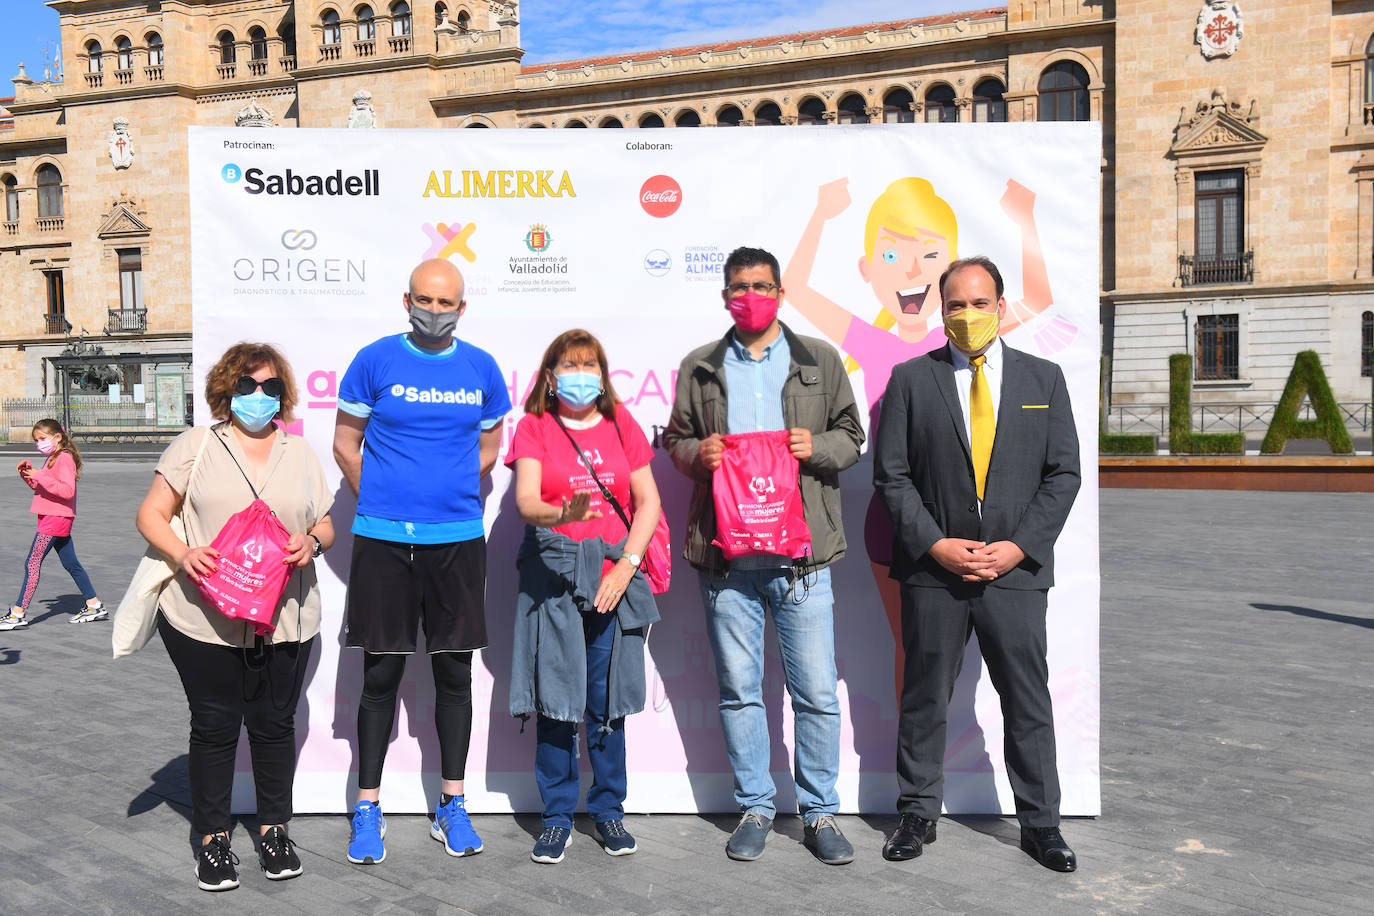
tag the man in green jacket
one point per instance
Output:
(776, 380)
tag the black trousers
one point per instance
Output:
(226, 694)
(1010, 623)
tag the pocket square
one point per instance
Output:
(1035, 406)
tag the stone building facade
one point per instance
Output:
(1238, 183)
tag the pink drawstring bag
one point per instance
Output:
(758, 498)
(252, 570)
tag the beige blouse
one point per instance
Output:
(292, 483)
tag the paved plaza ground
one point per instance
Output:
(1237, 755)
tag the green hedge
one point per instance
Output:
(1125, 444)
(1182, 439)
(1307, 378)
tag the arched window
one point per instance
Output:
(400, 18)
(940, 107)
(49, 191)
(573, 123)
(154, 41)
(651, 120)
(94, 62)
(12, 199)
(287, 34)
(1366, 340)
(367, 23)
(611, 122)
(464, 21)
(852, 110)
(897, 107)
(988, 104)
(1064, 92)
(534, 125)
(811, 111)
(729, 116)
(124, 53)
(440, 13)
(477, 124)
(768, 115)
(331, 34)
(258, 37)
(226, 47)
(688, 118)
(1369, 81)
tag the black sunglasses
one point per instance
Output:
(272, 387)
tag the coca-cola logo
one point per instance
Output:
(660, 196)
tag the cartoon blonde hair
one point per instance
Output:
(908, 205)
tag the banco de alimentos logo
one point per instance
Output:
(448, 239)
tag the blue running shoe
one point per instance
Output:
(365, 841)
(453, 828)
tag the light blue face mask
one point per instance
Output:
(579, 389)
(254, 410)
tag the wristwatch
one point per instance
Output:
(635, 559)
(319, 547)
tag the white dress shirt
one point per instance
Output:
(963, 378)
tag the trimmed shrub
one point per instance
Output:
(1125, 444)
(1307, 377)
(1182, 439)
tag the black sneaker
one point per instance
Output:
(615, 838)
(215, 865)
(277, 855)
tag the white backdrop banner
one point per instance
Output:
(305, 238)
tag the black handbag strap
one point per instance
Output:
(605, 491)
(236, 464)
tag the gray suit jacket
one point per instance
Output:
(923, 468)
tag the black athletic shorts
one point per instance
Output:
(394, 587)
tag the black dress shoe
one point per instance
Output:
(912, 833)
(1046, 845)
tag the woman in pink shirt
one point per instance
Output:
(54, 502)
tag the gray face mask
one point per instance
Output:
(432, 327)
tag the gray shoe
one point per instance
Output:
(824, 839)
(746, 843)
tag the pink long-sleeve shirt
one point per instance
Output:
(54, 488)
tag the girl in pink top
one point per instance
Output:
(54, 502)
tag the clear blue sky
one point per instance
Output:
(558, 30)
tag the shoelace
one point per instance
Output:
(277, 843)
(824, 821)
(550, 834)
(755, 817)
(217, 852)
(365, 818)
(614, 829)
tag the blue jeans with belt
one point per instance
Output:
(803, 616)
(555, 756)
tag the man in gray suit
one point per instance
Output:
(977, 464)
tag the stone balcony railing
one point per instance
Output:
(49, 223)
(226, 71)
(153, 73)
(124, 77)
(94, 80)
(330, 52)
(257, 67)
(288, 62)
(11, 227)
(365, 48)
(399, 44)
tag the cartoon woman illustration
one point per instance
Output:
(909, 239)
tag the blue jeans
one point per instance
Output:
(555, 755)
(33, 563)
(803, 616)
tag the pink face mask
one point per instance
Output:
(47, 446)
(753, 311)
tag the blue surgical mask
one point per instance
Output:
(579, 389)
(254, 410)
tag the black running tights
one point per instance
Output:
(377, 712)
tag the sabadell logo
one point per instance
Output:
(660, 196)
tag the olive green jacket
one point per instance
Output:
(816, 396)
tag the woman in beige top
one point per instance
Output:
(232, 677)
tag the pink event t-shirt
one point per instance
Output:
(877, 352)
(564, 474)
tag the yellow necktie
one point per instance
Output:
(981, 422)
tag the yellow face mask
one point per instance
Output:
(971, 329)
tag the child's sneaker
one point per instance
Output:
(453, 828)
(215, 865)
(277, 855)
(369, 827)
(91, 612)
(13, 621)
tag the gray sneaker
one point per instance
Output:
(12, 621)
(746, 843)
(823, 837)
(90, 613)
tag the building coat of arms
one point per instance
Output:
(121, 144)
(1220, 28)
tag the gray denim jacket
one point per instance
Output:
(558, 582)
